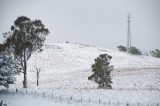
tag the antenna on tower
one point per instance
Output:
(128, 33)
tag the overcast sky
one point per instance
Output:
(95, 22)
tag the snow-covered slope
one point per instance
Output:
(66, 67)
(71, 57)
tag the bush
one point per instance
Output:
(122, 48)
(102, 71)
(134, 50)
(155, 53)
(8, 68)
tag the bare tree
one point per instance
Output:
(38, 66)
(38, 70)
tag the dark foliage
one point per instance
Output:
(134, 50)
(122, 48)
(102, 71)
(7, 68)
(155, 53)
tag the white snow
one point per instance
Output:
(66, 67)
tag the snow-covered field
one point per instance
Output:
(65, 71)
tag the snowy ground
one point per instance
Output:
(66, 67)
(81, 98)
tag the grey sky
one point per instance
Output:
(94, 22)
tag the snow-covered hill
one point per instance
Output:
(66, 57)
(66, 67)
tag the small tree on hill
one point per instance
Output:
(102, 71)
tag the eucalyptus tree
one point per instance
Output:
(26, 37)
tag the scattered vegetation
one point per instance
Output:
(122, 48)
(67, 41)
(134, 50)
(102, 71)
(155, 53)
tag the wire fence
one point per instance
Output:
(79, 101)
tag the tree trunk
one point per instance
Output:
(25, 70)
(37, 78)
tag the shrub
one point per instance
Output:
(67, 41)
(7, 68)
(122, 48)
(134, 50)
(102, 71)
(155, 53)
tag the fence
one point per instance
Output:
(79, 101)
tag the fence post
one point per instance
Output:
(89, 100)
(99, 101)
(157, 104)
(43, 94)
(16, 90)
(109, 102)
(81, 99)
(52, 95)
(26, 91)
(138, 103)
(118, 103)
(70, 97)
(60, 97)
